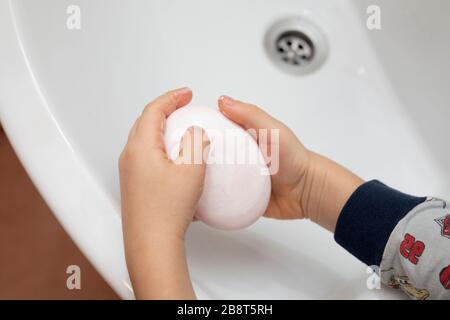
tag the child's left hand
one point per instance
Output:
(159, 199)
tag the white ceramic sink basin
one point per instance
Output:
(377, 105)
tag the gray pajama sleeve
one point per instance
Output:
(407, 237)
(416, 259)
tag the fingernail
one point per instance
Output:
(183, 90)
(227, 101)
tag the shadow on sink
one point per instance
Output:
(237, 264)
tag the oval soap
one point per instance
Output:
(237, 182)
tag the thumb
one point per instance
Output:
(246, 115)
(194, 147)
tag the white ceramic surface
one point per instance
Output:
(378, 106)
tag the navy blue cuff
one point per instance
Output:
(368, 219)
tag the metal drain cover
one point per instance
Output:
(295, 48)
(296, 45)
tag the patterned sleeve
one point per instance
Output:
(408, 237)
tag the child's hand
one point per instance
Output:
(306, 185)
(294, 159)
(159, 199)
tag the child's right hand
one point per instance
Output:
(306, 185)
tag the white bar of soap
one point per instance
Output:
(237, 183)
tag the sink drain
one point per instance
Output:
(296, 45)
(295, 48)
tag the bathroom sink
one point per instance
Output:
(377, 104)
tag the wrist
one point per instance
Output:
(159, 269)
(164, 235)
(312, 187)
(149, 234)
(159, 221)
(327, 187)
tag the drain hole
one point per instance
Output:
(295, 47)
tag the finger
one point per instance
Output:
(247, 115)
(260, 125)
(170, 101)
(152, 121)
(133, 129)
(194, 147)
